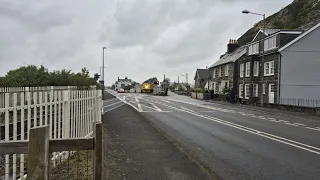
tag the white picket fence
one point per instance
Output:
(41, 88)
(69, 114)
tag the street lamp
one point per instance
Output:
(186, 76)
(102, 81)
(262, 59)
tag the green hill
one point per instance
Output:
(298, 14)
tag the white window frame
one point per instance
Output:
(253, 49)
(269, 68)
(264, 88)
(248, 69)
(270, 43)
(241, 69)
(255, 90)
(241, 91)
(219, 71)
(256, 68)
(246, 88)
(214, 73)
(226, 70)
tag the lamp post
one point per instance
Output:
(186, 76)
(102, 81)
(262, 59)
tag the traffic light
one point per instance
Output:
(96, 76)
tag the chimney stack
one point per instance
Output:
(232, 46)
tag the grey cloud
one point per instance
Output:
(35, 19)
(144, 37)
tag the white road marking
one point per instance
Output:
(299, 124)
(105, 101)
(291, 124)
(113, 108)
(283, 121)
(261, 117)
(274, 120)
(289, 142)
(148, 107)
(113, 104)
(139, 105)
(156, 107)
(271, 118)
(316, 129)
(158, 111)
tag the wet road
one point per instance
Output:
(233, 142)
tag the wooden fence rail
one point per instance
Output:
(40, 148)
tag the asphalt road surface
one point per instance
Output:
(235, 143)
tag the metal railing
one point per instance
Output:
(69, 114)
(300, 102)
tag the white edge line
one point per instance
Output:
(259, 133)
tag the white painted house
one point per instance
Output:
(121, 83)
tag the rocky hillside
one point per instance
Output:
(299, 13)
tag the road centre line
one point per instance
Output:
(259, 133)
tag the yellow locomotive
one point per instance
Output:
(147, 88)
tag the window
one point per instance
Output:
(247, 91)
(263, 88)
(269, 68)
(214, 73)
(253, 49)
(226, 70)
(240, 90)
(219, 71)
(225, 87)
(241, 69)
(270, 43)
(247, 69)
(256, 68)
(255, 90)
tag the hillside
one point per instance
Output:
(296, 15)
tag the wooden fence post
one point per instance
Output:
(97, 151)
(38, 153)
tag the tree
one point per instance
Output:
(40, 76)
(167, 81)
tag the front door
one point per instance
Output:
(271, 93)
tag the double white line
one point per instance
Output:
(289, 142)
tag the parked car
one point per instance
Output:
(121, 91)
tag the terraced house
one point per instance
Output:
(224, 72)
(279, 65)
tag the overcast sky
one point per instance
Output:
(144, 38)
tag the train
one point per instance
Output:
(147, 88)
(148, 85)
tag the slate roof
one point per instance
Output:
(203, 73)
(231, 57)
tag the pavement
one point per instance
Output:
(232, 142)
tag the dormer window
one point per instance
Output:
(270, 43)
(253, 49)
